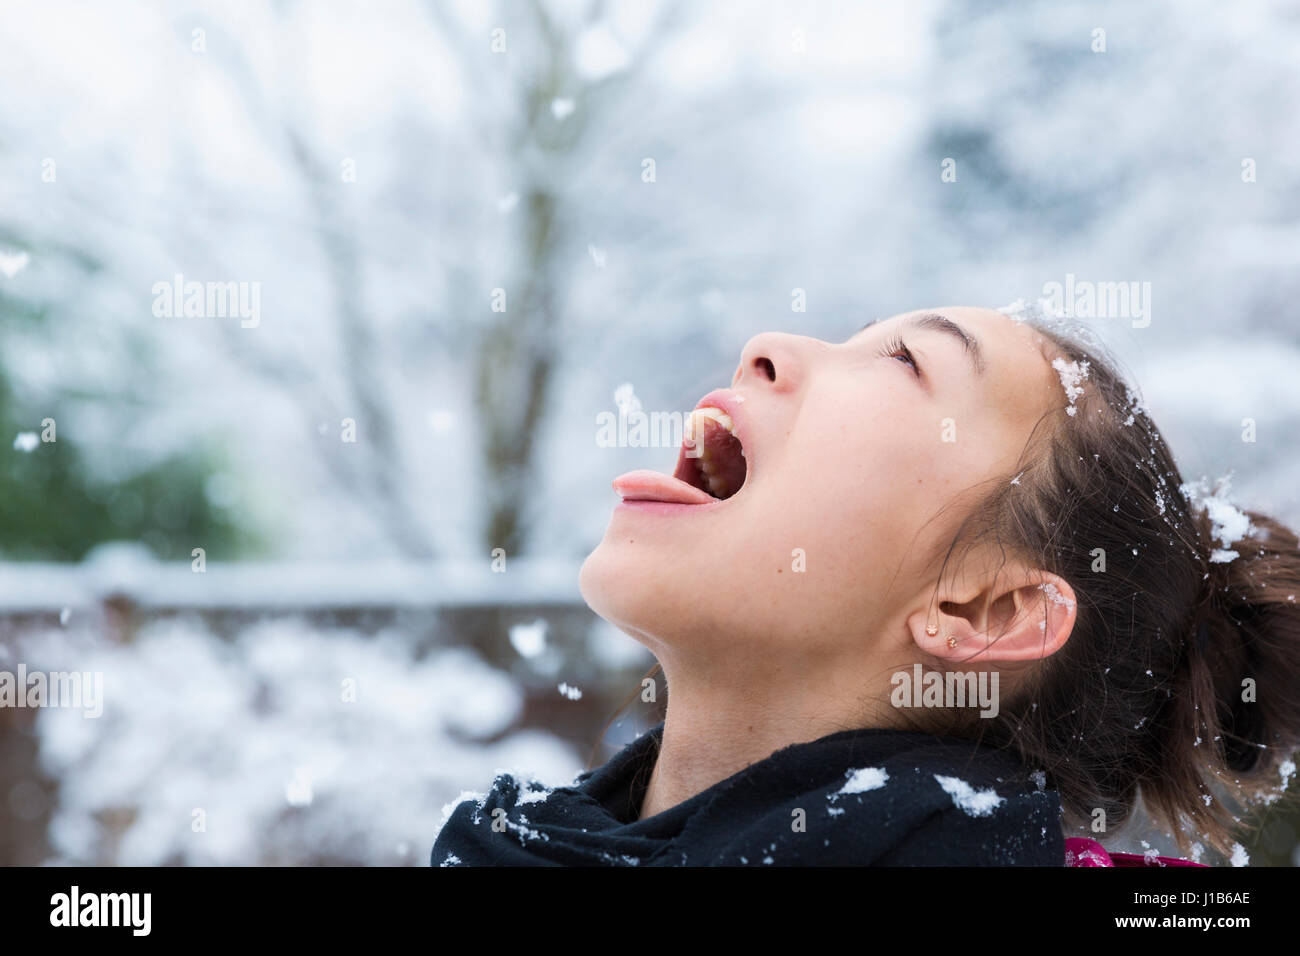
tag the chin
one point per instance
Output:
(613, 583)
(636, 592)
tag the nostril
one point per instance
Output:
(765, 366)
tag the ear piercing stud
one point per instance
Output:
(933, 629)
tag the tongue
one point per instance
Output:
(648, 485)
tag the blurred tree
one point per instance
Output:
(548, 106)
(54, 507)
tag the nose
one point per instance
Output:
(773, 360)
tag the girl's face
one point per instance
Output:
(856, 458)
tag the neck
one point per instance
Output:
(719, 721)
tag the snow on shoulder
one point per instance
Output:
(858, 781)
(862, 780)
(978, 803)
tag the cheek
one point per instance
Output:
(627, 582)
(875, 474)
(717, 594)
(854, 497)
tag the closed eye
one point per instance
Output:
(896, 348)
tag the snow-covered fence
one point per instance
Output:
(127, 572)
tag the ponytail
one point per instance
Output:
(1234, 723)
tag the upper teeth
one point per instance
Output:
(695, 427)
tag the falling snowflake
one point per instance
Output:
(625, 399)
(298, 790)
(12, 263)
(529, 639)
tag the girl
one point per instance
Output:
(930, 595)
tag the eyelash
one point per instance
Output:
(896, 347)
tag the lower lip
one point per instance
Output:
(662, 507)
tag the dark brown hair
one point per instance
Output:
(1148, 699)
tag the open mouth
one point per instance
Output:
(711, 458)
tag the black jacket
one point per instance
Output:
(854, 798)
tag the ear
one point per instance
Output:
(1016, 614)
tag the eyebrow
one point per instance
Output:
(935, 322)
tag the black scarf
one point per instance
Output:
(854, 798)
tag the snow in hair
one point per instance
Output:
(1229, 524)
(1072, 375)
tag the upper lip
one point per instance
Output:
(729, 401)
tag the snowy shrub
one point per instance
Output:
(284, 745)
